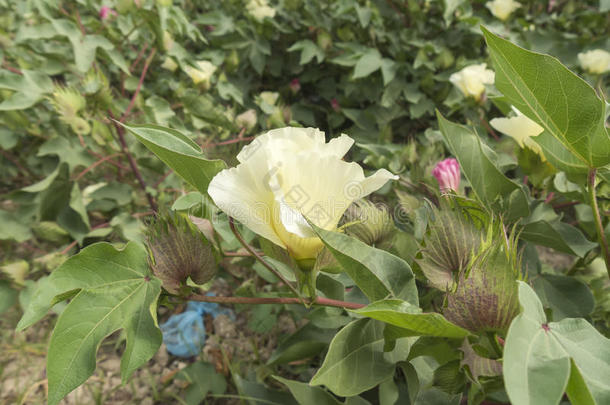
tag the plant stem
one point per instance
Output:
(601, 236)
(274, 300)
(132, 162)
(262, 261)
(142, 76)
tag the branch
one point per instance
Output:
(94, 165)
(132, 162)
(142, 76)
(261, 260)
(601, 236)
(274, 300)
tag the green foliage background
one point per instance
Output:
(376, 70)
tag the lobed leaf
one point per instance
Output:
(110, 289)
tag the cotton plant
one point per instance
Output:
(287, 177)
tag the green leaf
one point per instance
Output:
(309, 50)
(110, 289)
(30, 87)
(306, 394)
(367, 64)
(408, 316)
(180, 153)
(566, 296)
(356, 362)
(306, 342)
(376, 272)
(544, 228)
(203, 378)
(540, 358)
(13, 229)
(478, 163)
(547, 92)
(8, 296)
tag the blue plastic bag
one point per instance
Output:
(184, 334)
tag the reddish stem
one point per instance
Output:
(142, 76)
(132, 162)
(138, 58)
(94, 165)
(274, 300)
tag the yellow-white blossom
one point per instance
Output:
(169, 64)
(259, 9)
(596, 61)
(287, 175)
(201, 74)
(502, 9)
(269, 97)
(521, 129)
(472, 79)
(247, 119)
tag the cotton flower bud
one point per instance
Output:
(596, 61)
(448, 248)
(178, 250)
(106, 12)
(335, 105)
(369, 223)
(295, 86)
(486, 296)
(447, 173)
(67, 101)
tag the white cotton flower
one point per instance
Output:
(287, 175)
(502, 9)
(472, 79)
(201, 74)
(521, 129)
(247, 119)
(596, 61)
(259, 9)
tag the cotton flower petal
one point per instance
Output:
(521, 129)
(242, 192)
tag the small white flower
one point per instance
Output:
(288, 174)
(502, 9)
(596, 61)
(521, 129)
(472, 79)
(259, 9)
(247, 119)
(202, 74)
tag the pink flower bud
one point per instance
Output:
(447, 173)
(106, 12)
(295, 85)
(335, 105)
